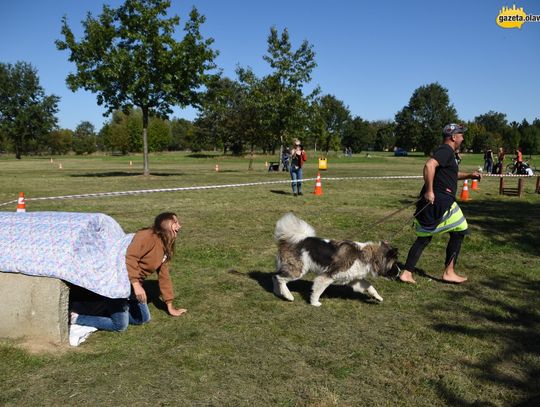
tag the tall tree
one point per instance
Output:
(115, 137)
(59, 141)
(129, 57)
(428, 111)
(84, 138)
(221, 115)
(385, 138)
(26, 113)
(336, 119)
(407, 129)
(495, 131)
(511, 137)
(530, 137)
(180, 133)
(494, 122)
(253, 108)
(479, 139)
(287, 108)
(359, 134)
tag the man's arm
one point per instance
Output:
(469, 175)
(429, 175)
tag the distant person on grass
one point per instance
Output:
(298, 157)
(437, 211)
(500, 161)
(519, 162)
(150, 251)
(488, 160)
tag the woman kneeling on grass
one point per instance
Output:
(150, 251)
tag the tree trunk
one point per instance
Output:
(280, 167)
(250, 167)
(18, 150)
(146, 171)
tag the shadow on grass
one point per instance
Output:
(506, 314)
(123, 174)
(507, 222)
(203, 155)
(303, 287)
(424, 274)
(152, 292)
(94, 304)
(280, 192)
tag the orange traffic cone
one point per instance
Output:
(474, 185)
(217, 167)
(318, 185)
(21, 206)
(465, 191)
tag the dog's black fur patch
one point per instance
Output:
(320, 251)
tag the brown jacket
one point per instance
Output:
(144, 256)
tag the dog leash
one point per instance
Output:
(399, 271)
(384, 219)
(410, 219)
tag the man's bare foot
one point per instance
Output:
(407, 277)
(452, 277)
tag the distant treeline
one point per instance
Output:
(138, 75)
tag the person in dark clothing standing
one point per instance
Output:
(500, 161)
(437, 211)
(298, 157)
(488, 160)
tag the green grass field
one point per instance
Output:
(432, 344)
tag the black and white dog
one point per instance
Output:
(335, 261)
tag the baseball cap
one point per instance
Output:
(453, 128)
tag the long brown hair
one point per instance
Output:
(169, 242)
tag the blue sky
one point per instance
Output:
(371, 55)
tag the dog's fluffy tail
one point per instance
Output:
(292, 229)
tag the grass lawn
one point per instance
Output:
(427, 345)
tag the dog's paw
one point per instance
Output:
(288, 296)
(316, 303)
(378, 298)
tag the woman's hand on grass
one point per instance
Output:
(175, 312)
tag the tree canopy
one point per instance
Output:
(421, 122)
(128, 56)
(27, 114)
(334, 119)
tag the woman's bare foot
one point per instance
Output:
(407, 277)
(450, 276)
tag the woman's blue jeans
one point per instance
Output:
(296, 177)
(122, 312)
